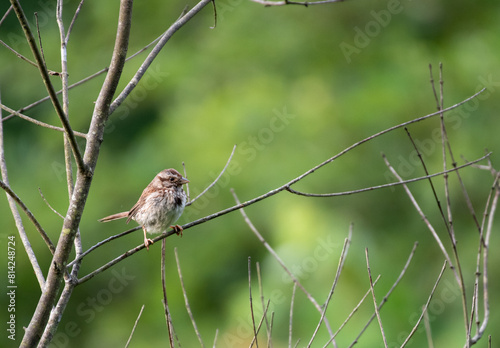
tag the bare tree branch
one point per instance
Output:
(168, 318)
(188, 308)
(489, 215)
(5, 14)
(86, 166)
(82, 81)
(262, 302)
(13, 199)
(424, 310)
(424, 218)
(216, 179)
(38, 123)
(280, 261)
(386, 297)
(355, 309)
(48, 204)
(449, 222)
(428, 331)
(251, 304)
(136, 321)
(48, 85)
(340, 266)
(289, 2)
(290, 323)
(12, 195)
(392, 184)
(109, 239)
(154, 53)
(377, 312)
(70, 28)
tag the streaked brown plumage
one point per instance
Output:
(160, 205)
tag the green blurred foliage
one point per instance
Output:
(276, 82)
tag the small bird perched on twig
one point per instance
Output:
(160, 205)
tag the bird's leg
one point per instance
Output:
(177, 229)
(147, 241)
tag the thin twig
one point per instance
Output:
(424, 218)
(489, 227)
(445, 143)
(340, 266)
(251, 302)
(254, 339)
(5, 15)
(428, 331)
(40, 40)
(269, 342)
(377, 312)
(48, 85)
(19, 55)
(262, 302)
(82, 81)
(70, 28)
(48, 204)
(290, 323)
(289, 2)
(13, 199)
(66, 141)
(424, 310)
(29, 214)
(386, 297)
(188, 308)
(215, 338)
(215, 15)
(355, 309)
(392, 184)
(188, 194)
(280, 261)
(135, 325)
(101, 243)
(154, 53)
(436, 198)
(216, 179)
(38, 123)
(168, 319)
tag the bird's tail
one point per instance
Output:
(114, 217)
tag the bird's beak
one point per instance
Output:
(184, 180)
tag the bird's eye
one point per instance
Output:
(172, 179)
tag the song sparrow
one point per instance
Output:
(160, 205)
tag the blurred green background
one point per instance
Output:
(291, 86)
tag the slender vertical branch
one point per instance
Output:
(17, 216)
(377, 311)
(135, 325)
(354, 310)
(426, 221)
(386, 297)
(279, 260)
(168, 318)
(251, 302)
(340, 266)
(188, 307)
(424, 309)
(290, 323)
(262, 302)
